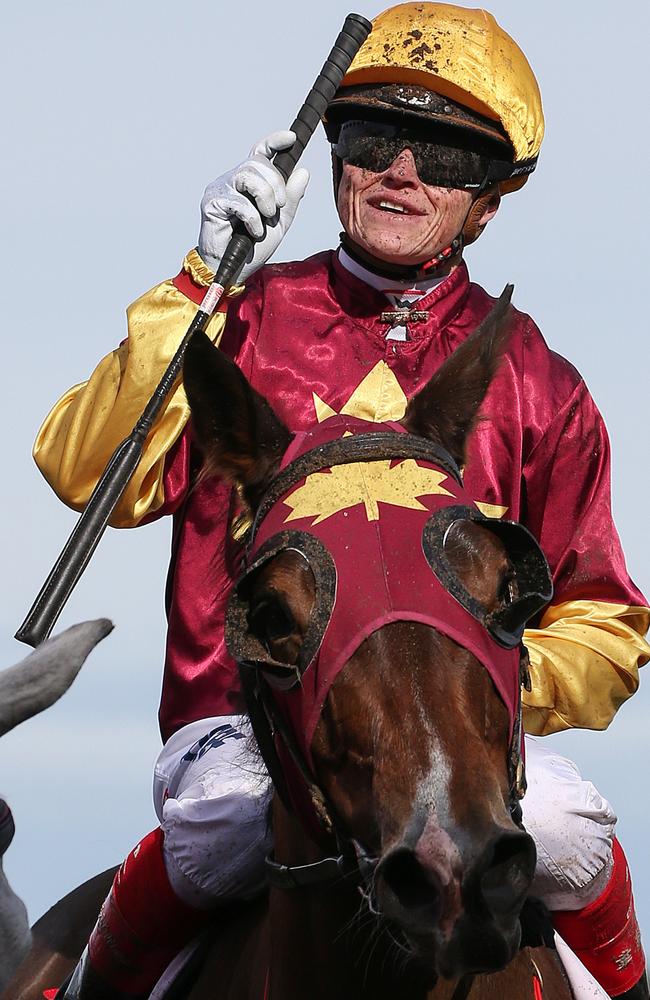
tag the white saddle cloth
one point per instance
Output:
(173, 970)
(582, 982)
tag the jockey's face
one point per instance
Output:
(397, 218)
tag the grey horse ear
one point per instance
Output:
(42, 677)
(446, 409)
(240, 435)
(26, 689)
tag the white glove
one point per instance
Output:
(269, 198)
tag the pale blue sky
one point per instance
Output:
(116, 115)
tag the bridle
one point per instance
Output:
(260, 674)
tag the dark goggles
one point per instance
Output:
(375, 145)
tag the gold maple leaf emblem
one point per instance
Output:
(380, 397)
(370, 483)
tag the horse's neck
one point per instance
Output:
(324, 942)
(305, 923)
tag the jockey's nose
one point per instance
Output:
(402, 172)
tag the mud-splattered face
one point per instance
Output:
(397, 218)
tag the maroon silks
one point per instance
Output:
(382, 574)
(309, 333)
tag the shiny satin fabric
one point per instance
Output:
(85, 426)
(309, 336)
(584, 659)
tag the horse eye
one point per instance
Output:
(271, 620)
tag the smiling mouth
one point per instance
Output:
(390, 206)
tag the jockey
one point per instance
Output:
(437, 119)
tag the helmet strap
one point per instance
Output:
(405, 272)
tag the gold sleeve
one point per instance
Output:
(584, 663)
(83, 429)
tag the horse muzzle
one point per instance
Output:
(458, 914)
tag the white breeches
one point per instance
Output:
(211, 797)
(573, 829)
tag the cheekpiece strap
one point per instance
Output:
(516, 766)
(464, 987)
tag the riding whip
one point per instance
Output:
(91, 525)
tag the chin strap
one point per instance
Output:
(405, 272)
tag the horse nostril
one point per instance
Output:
(413, 886)
(508, 874)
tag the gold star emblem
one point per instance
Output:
(379, 397)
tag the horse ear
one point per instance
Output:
(446, 409)
(240, 435)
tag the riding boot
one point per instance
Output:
(141, 927)
(605, 935)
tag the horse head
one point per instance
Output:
(378, 624)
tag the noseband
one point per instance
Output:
(267, 681)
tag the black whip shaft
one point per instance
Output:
(125, 459)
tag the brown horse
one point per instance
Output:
(400, 867)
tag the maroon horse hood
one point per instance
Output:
(368, 521)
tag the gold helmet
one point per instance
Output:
(482, 82)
